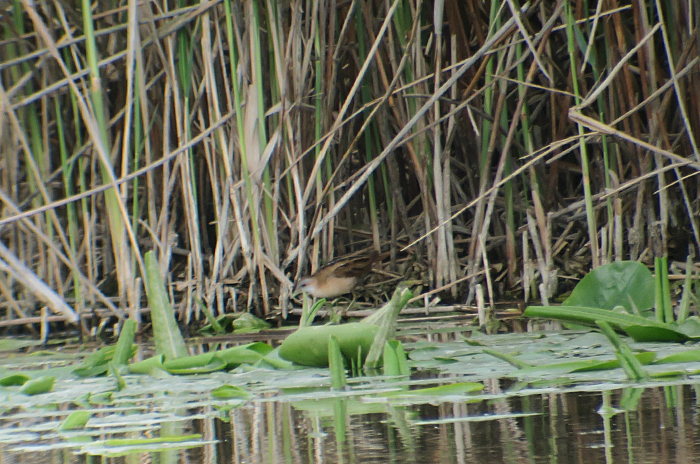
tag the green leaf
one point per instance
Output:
(684, 357)
(385, 318)
(199, 364)
(691, 327)
(250, 353)
(123, 349)
(395, 362)
(121, 383)
(442, 390)
(512, 360)
(75, 420)
(644, 358)
(632, 367)
(145, 366)
(169, 340)
(214, 324)
(43, 384)
(588, 316)
(336, 364)
(14, 380)
(615, 284)
(148, 441)
(645, 333)
(308, 346)
(230, 392)
(247, 322)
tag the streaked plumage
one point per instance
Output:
(339, 276)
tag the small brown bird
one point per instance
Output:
(339, 276)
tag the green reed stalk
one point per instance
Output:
(529, 149)
(117, 225)
(592, 59)
(372, 129)
(262, 131)
(73, 237)
(319, 116)
(38, 158)
(590, 212)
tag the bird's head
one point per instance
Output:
(308, 285)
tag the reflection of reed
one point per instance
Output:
(566, 427)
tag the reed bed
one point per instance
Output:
(495, 148)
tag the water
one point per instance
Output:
(543, 414)
(544, 427)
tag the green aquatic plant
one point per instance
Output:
(625, 295)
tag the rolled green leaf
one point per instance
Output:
(43, 384)
(250, 353)
(395, 362)
(145, 366)
(631, 365)
(169, 340)
(308, 346)
(14, 380)
(385, 318)
(75, 420)
(229, 392)
(123, 352)
(336, 364)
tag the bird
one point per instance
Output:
(339, 276)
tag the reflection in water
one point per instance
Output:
(500, 425)
(564, 428)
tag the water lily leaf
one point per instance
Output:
(615, 284)
(308, 346)
(103, 398)
(325, 407)
(98, 358)
(691, 327)
(273, 359)
(644, 358)
(645, 333)
(14, 344)
(684, 357)
(92, 371)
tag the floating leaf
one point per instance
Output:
(615, 284)
(230, 391)
(43, 384)
(308, 346)
(75, 420)
(442, 390)
(14, 380)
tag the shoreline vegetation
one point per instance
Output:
(496, 150)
